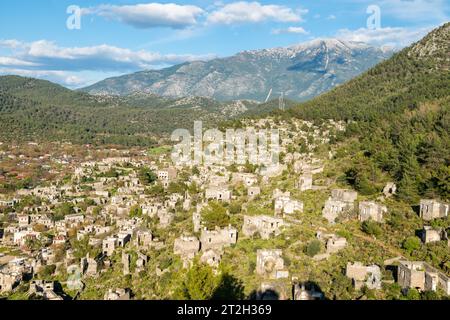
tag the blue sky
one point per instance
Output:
(122, 36)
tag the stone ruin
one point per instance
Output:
(118, 294)
(306, 291)
(305, 182)
(332, 242)
(369, 276)
(369, 210)
(212, 258)
(218, 239)
(253, 192)
(270, 263)
(44, 289)
(265, 226)
(186, 247)
(285, 205)
(430, 234)
(341, 201)
(197, 221)
(422, 276)
(91, 266)
(390, 189)
(126, 259)
(433, 209)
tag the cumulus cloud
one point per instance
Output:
(150, 15)
(295, 30)
(253, 12)
(398, 37)
(171, 15)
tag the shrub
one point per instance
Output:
(411, 244)
(371, 228)
(313, 248)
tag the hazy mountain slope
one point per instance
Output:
(301, 72)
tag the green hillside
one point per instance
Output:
(32, 109)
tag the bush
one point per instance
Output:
(199, 283)
(135, 211)
(313, 248)
(235, 208)
(47, 271)
(146, 176)
(371, 228)
(411, 244)
(215, 215)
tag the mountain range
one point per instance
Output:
(412, 80)
(298, 72)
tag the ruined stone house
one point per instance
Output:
(211, 257)
(305, 182)
(118, 294)
(197, 221)
(306, 292)
(265, 226)
(218, 194)
(433, 209)
(422, 276)
(369, 210)
(369, 276)
(341, 201)
(253, 192)
(286, 205)
(44, 289)
(430, 234)
(219, 238)
(9, 280)
(390, 189)
(186, 247)
(270, 263)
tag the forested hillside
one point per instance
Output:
(399, 112)
(32, 109)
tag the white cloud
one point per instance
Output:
(101, 57)
(397, 37)
(9, 61)
(79, 66)
(150, 15)
(416, 10)
(331, 17)
(295, 30)
(254, 12)
(11, 43)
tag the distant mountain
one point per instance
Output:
(301, 72)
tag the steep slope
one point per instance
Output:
(301, 72)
